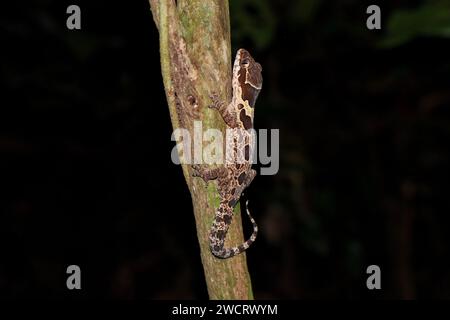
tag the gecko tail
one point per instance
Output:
(217, 240)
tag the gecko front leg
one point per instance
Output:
(227, 111)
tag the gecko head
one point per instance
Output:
(249, 76)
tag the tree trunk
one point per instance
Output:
(195, 62)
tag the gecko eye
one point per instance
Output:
(245, 63)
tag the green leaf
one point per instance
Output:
(431, 20)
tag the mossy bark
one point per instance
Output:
(195, 62)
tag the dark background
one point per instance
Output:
(86, 176)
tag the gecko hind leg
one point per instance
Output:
(207, 173)
(248, 178)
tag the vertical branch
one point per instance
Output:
(196, 61)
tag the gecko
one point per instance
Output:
(232, 178)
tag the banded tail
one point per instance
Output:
(219, 231)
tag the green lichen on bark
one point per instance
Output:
(196, 61)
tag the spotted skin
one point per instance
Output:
(236, 175)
